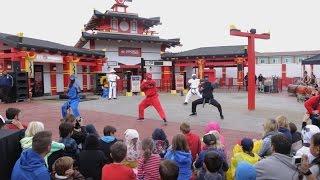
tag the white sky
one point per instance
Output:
(294, 24)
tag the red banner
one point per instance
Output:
(124, 51)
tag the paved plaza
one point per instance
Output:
(122, 113)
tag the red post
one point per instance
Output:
(284, 75)
(251, 60)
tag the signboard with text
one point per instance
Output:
(135, 83)
(48, 58)
(157, 63)
(128, 51)
(179, 82)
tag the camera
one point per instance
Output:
(296, 160)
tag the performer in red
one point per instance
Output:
(148, 86)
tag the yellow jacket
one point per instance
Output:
(238, 157)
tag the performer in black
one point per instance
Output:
(206, 89)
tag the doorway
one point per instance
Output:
(38, 84)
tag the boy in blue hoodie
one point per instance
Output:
(107, 141)
(31, 164)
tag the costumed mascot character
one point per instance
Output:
(206, 88)
(112, 78)
(148, 86)
(73, 99)
(105, 87)
(194, 88)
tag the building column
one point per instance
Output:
(284, 75)
(173, 79)
(224, 76)
(84, 79)
(53, 79)
(166, 78)
(201, 65)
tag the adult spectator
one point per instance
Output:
(161, 142)
(169, 170)
(63, 169)
(270, 129)
(117, 170)
(245, 171)
(107, 141)
(307, 132)
(296, 135)
(79, 133)
(91, 158)
(31, 164)
(283, 127)
(148, 164)
(179, 152)
(215, 126)
(313, 107)
(212, 165)
(210, 140)
(6, 83)
(33, 128)
(261, 83)
(279, 165)
(193, 140)
(13, 120)
(311, 170)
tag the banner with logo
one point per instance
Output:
(135, 83)
(179, 82)
(48, 58)
(128, 51)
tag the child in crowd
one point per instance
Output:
(193, 140)
(148, 164)
(270, 129)
(71, 147)
(132, 141)
(245, 171)
(210, 140)
(214, 126)
(63, 169)
(245, 156)
(161, 142)
(283, 127)
(169, 170)
(117, 170)
(179, 152)
(79, 132)
(91, 158)
(90, 129)
(212, 164)
(107, 141)
(12, 115)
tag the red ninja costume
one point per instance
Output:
(148, 86)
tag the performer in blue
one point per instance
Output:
(74, 98)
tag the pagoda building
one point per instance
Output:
(126, 39)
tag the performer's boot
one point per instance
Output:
(221, 116)
(193, 114)
(140, 119)
(185, 103)
(165, 122)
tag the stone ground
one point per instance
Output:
(122, 114)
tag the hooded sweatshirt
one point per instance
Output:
(26, 143)
(278, 166)
(30, 166)
(183, 160)
(105, 144)
(245, 171)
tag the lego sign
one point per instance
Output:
(134, 52)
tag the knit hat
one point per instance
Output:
(245, 171)
(247, 144)
(308, 131)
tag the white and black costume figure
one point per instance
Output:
(194, 83)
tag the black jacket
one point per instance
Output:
(105, 147)
(91, 163)
(206, 90)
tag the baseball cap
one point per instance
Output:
(209, 139)
(308, 131)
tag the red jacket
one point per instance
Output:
(149, 88)
(194, 144)
(117, 171)
(312, 104)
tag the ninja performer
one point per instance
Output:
(148, 86)
(74, 99)
(194, 88)
(206, 89)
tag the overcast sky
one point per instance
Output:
(294, 24)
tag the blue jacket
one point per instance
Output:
(73, 92)
(183, 160)
(30, 166)
(6, 81)
(286, 132)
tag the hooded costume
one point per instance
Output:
(148, 86)
(74, 99)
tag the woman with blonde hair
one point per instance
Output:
(270, 128)
(283, 127)
(33, 128)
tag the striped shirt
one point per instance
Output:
(150, 169)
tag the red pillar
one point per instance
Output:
(84, 78)
(251, 74)
(284, 75)
(224, 76)
(166, 78)
(53, 79)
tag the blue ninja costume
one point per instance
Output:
(73, 101)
